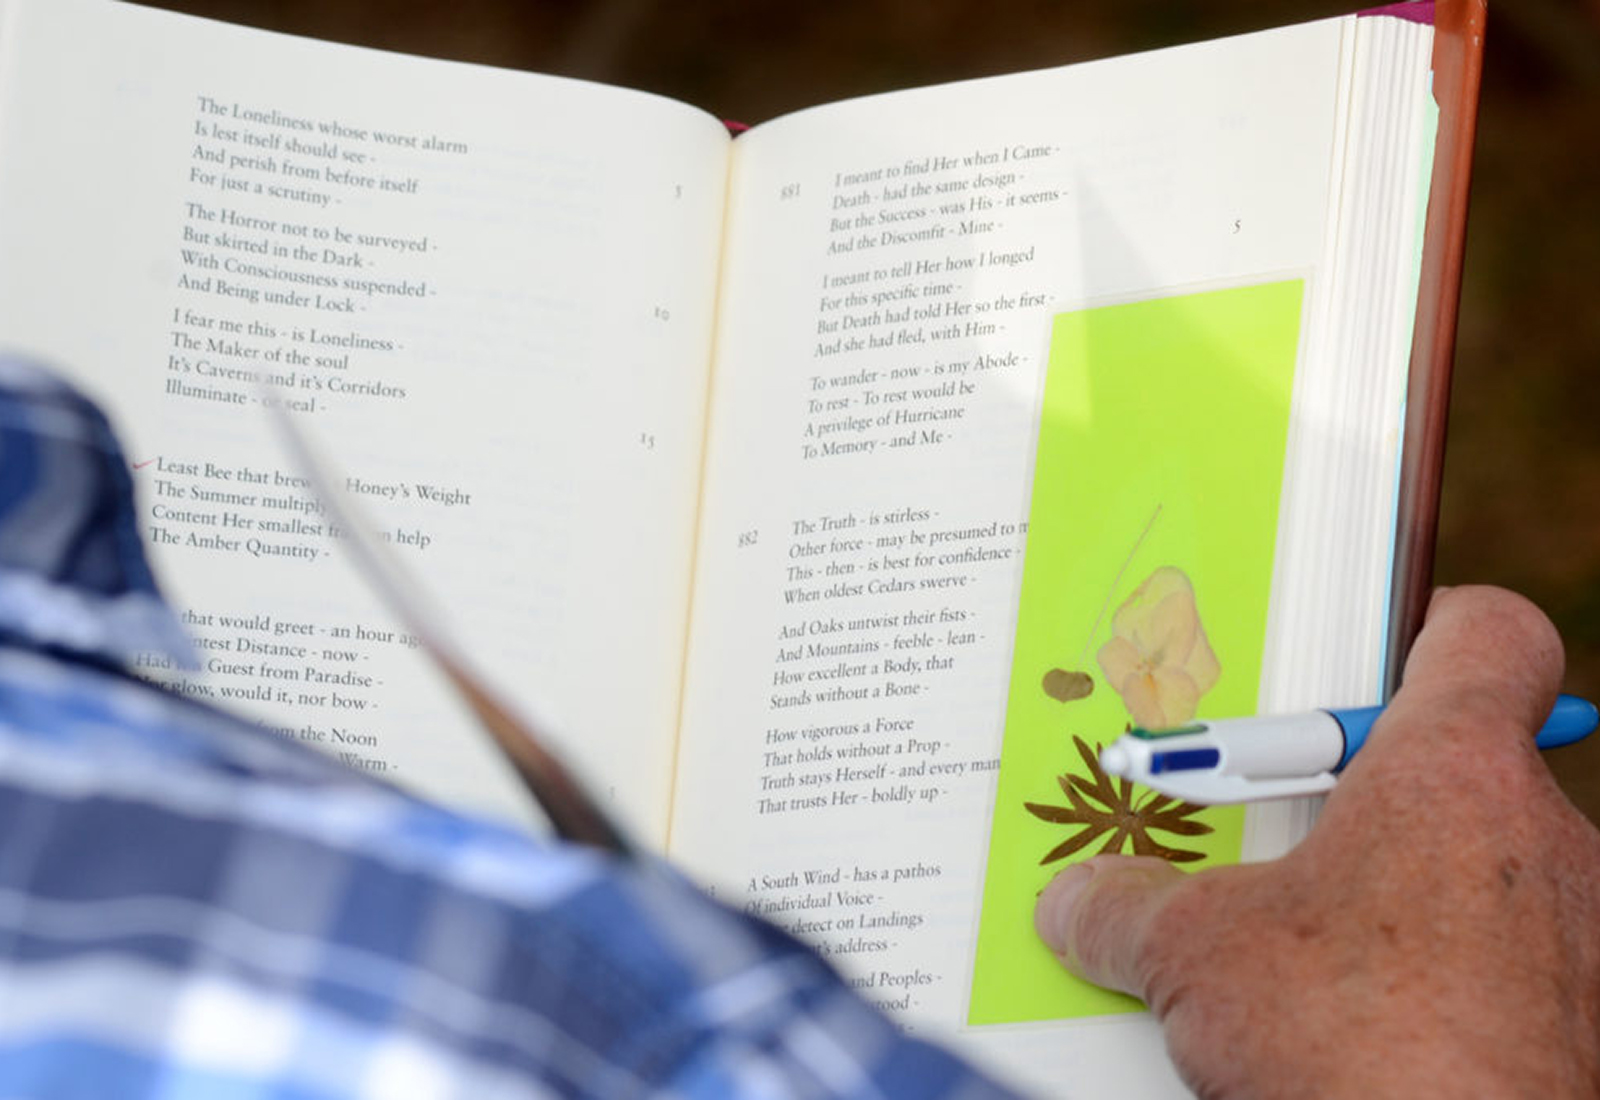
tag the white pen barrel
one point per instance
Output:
(1279, 745)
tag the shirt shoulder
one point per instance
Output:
(186, 899)
(73, 574)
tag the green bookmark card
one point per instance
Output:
(1144, 600)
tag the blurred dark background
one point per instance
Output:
(1522, 473)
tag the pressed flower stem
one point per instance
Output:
(1112, 590)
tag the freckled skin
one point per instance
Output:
(1435, 935)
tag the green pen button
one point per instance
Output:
(1156, 735)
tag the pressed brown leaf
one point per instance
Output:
(1087, 787)
(1172, 855)
(1079, 803)
(1115, 843)
(1090, 760)
(1156, 804)
(1065, 686)
(1061, 815)
(1101, 790)
(1097, 807)
(1181, 827)
(1073, 844)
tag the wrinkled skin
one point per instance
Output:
(1437, 934)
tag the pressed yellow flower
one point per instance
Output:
(1158, 658)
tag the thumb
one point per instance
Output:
(1096, 917)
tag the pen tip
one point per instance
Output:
(1114, 760)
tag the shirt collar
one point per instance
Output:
(73, 574)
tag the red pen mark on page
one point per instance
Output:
(146, 462)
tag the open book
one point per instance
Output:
(723, 449)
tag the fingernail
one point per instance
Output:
(1052, 915)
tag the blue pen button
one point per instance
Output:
(1184, 760)
(1573, 719)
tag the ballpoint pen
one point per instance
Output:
(1277, 756)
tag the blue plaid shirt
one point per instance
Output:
(193, 908)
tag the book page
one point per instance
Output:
(890, 284)
(488, 294)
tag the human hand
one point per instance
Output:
(1437, 933)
